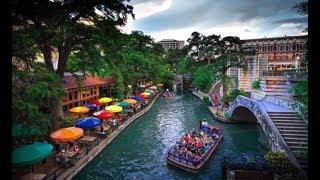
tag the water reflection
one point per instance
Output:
(139, 151)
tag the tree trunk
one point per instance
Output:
(56, 113)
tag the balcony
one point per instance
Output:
(293, 74)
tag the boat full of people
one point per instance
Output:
(193, 150)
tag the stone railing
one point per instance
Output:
(296, 106)
(274, 137)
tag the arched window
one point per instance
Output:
(274, 47)
(298, 47)
(287, 47)
(293, 46)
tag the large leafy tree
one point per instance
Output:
(60, 26)
(222, 53)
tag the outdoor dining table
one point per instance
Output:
(89, 141)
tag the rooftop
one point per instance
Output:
(275, 38)
(71, 82)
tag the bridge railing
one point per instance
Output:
(296, 106)
(273, 135)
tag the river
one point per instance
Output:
(139, 151)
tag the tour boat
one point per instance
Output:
(192, 165)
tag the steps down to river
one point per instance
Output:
(294, 132)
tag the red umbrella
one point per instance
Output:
(96, 102)
(104, 114)
(142, 96)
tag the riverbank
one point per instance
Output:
(212, 109)
(72, 171)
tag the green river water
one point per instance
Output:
(139, 151)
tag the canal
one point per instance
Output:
(139, 151)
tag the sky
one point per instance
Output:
(247, 19)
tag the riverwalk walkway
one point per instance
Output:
(72, 171)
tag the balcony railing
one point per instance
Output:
(293, 74)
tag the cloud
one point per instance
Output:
(292, 20)
(246, 18)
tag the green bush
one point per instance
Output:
(300, 89)
(226, 115)
(232, 96)
(67, 122)
(256, 85)
(207, 101)
(280, 162)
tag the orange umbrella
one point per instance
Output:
(131, 101)
(66, 134)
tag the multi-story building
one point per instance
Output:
(268, 60)
(171, 44)
(86, 90)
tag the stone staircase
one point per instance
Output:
(294, 132)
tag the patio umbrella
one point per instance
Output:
(150, 91)
(146, 94)
(79, 109)
(88, 122)
(91, 106)
(104, 114)
(130, 101)
(143, 96)
(123, 104)
(114, 108)
(137, 98)
(105, 100)
(160, 85)
(153, 88)
(96, 102)
(66, 134)
(30, 154)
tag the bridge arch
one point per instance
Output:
(243, 114)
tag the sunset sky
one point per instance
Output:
(177, 19)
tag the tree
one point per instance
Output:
(60, 26)
(195, 44)
(223, 53)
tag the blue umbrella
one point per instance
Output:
(137, 98)
(88, 122)
(91, 106)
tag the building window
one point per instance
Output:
(83, 94)
(70, 95)
(287, 47)
(75, 95)
(294, 47)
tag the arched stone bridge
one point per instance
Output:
(244, 109)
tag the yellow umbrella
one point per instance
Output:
(146, 93)
(131, 101)
(105, 100)
(114, 108)
(79, 109)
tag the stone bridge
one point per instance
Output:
(263, 111)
